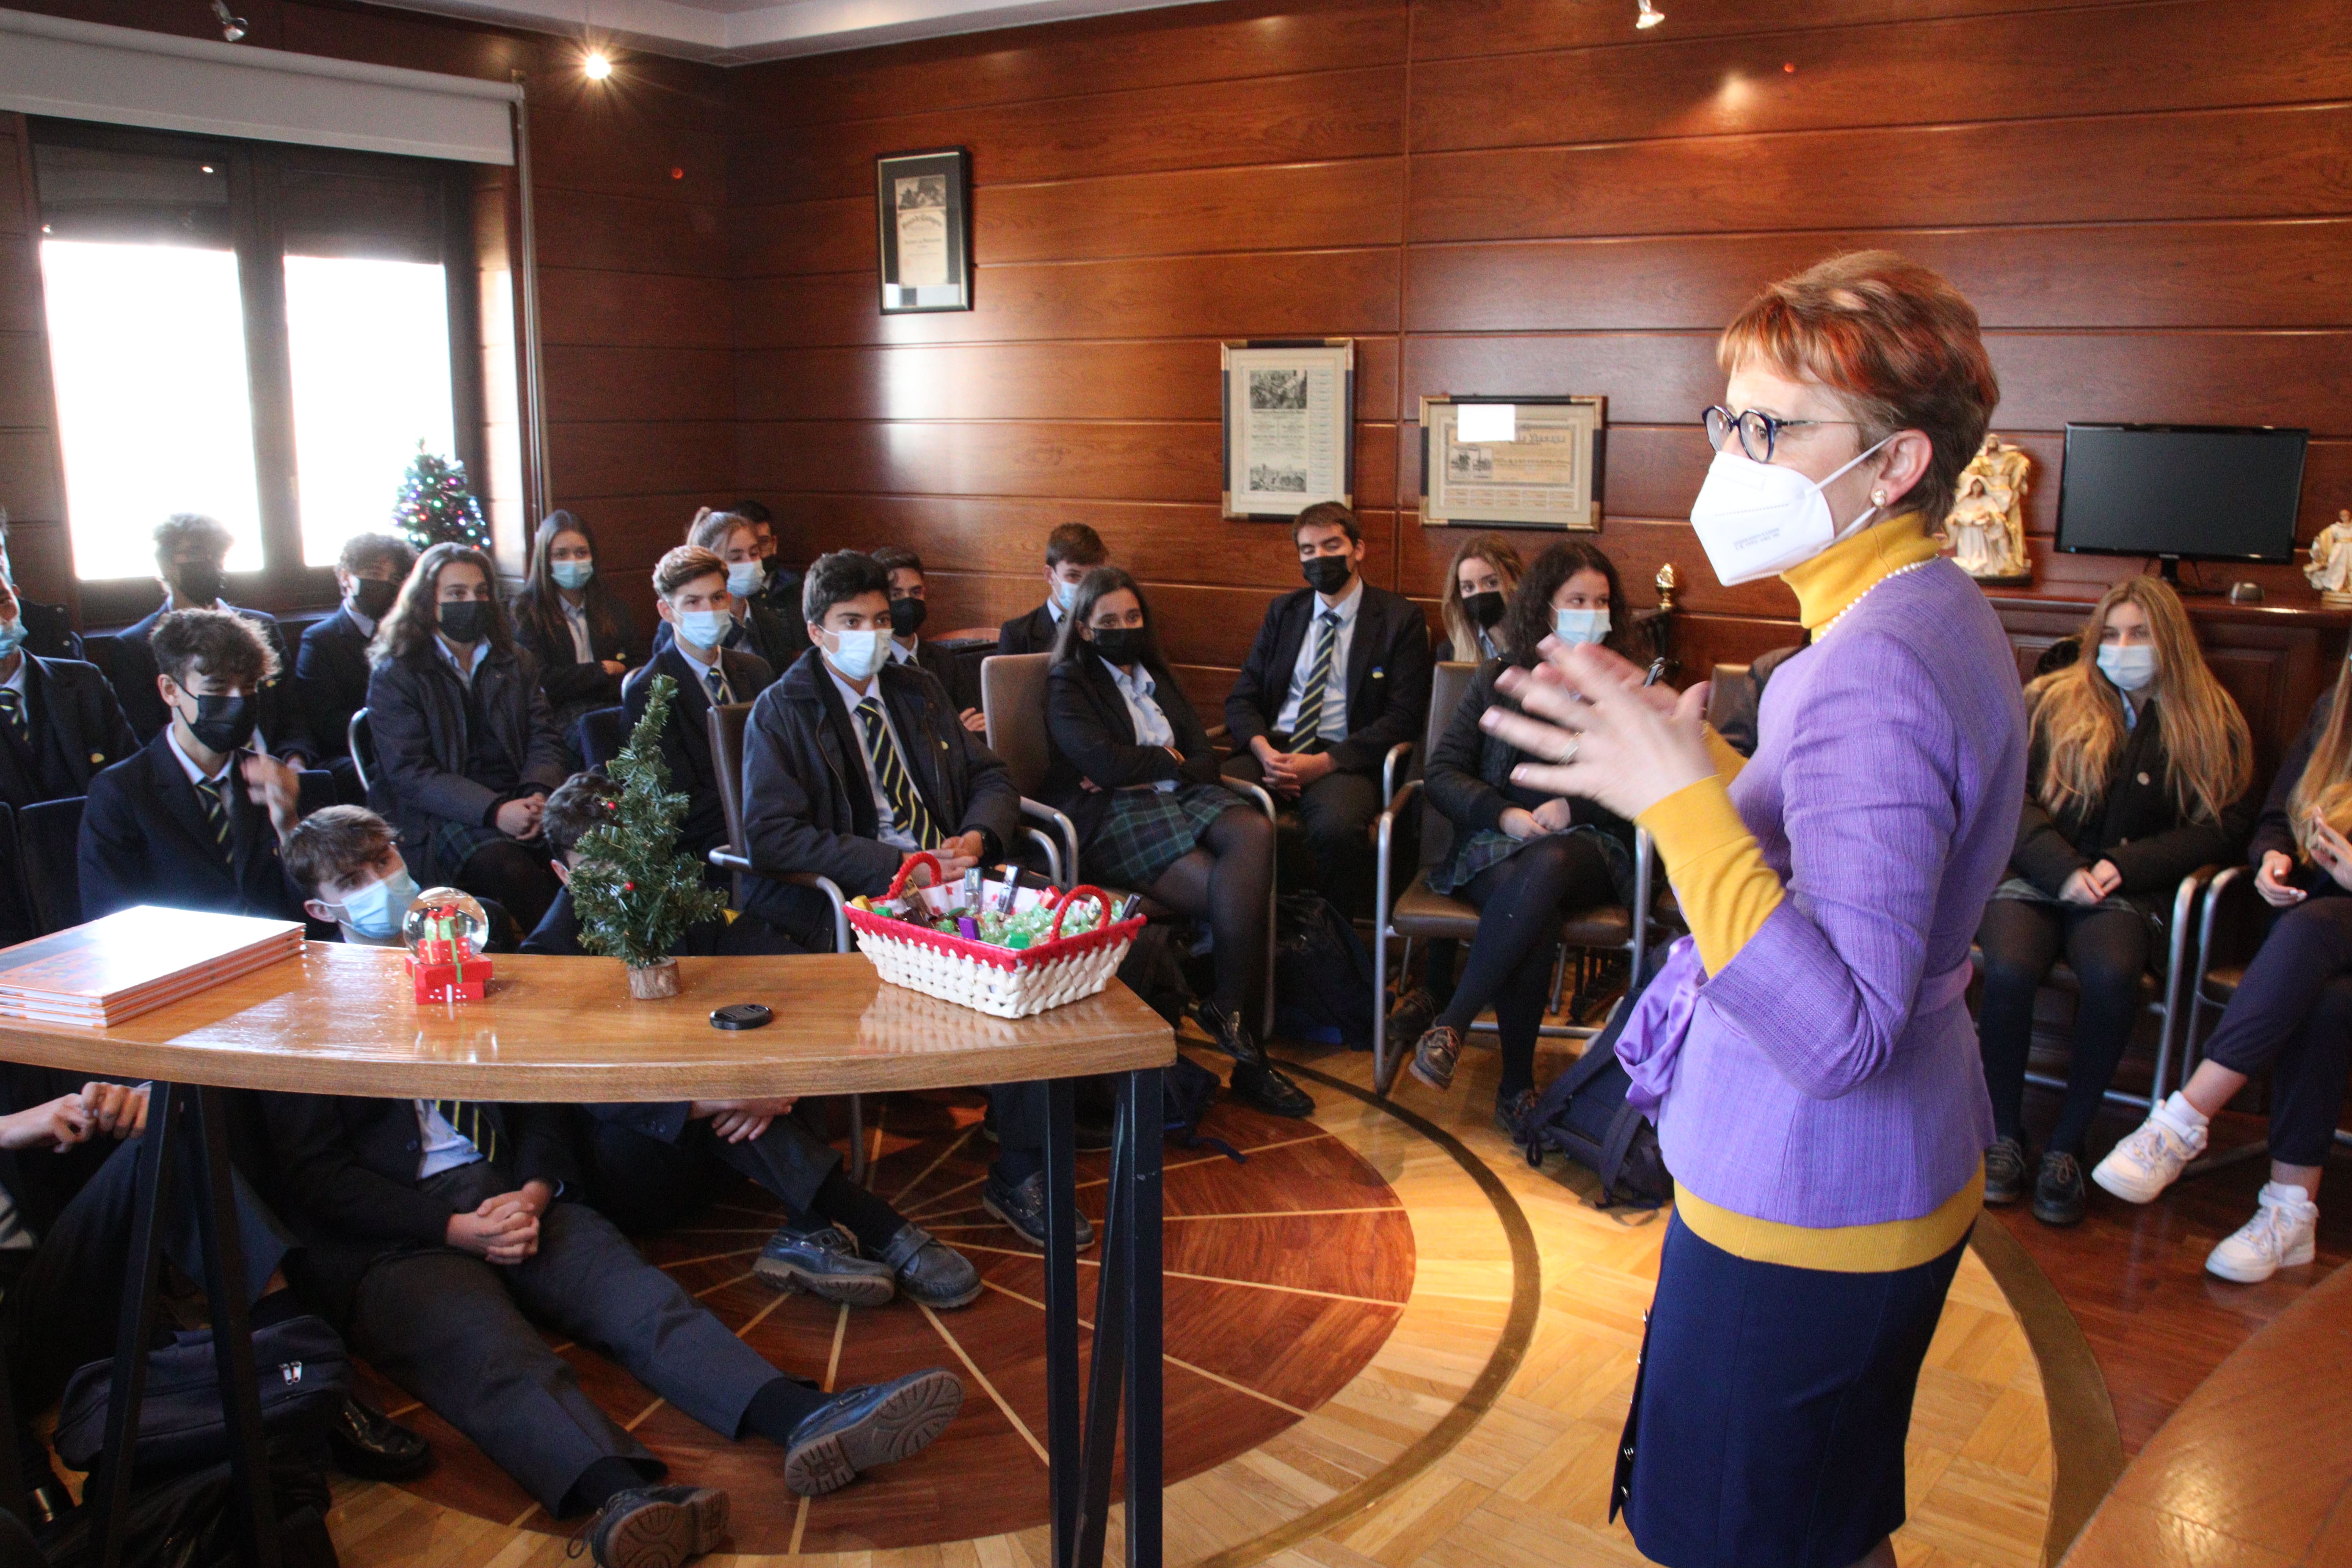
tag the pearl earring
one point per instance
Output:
(1878, 497)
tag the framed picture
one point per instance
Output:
(925, 203)
(1531, 462)
(1290, 425)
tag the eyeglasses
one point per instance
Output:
(1758, 431)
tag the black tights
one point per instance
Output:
(514, 873)
(2107, 948)
(1520, 902)
(1225, 881)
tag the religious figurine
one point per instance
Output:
(2331, 562)
(1987, 527)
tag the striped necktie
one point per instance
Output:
(891, 773)
(1306, 735)
(473, 1124)
(716, 685)
(213, 792)
(12, 708)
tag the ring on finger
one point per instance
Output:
(1568, 753)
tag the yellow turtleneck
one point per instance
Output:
(1726, 889)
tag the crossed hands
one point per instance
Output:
(99, 1109)
(1288, 773)
(956, 855)
(1600, 733)
(504, 1229)
(519, 819)
(2091, 884)
(740, 1120)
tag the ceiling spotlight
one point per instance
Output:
(597, 66)
(233, 28)
(1650, 17)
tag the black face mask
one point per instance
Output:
(200, 584)
(1484, 608)
(1120, 645)
(223, 723)
(373, 598)
(464, 620)
(906, 616)
(1327, 573)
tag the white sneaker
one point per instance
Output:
(2139, 1169)
(2282, 1234)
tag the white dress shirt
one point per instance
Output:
(445, 1148)
(467, 667)
(1151, 725)
(1335, 687)
(886, 827)
(702, 672)
(576, 616)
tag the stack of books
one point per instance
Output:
(134, 962)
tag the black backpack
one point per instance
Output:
(1322, 974)
(191, 1520)
(304, 1373)
(1583, 1114)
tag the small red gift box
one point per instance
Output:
(448, 970)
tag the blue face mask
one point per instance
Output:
(1579, 625)
(703, 628)
(12, 636)
(860, 654)
(743, 578)
(2128, 668)
(1065, 595)
(572, 574)
(376, 910)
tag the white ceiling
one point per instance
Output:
(738, 31)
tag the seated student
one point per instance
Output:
(776, 636)
(655, 1164)
(2138, 774)
(1133, 768)
(345, 860)
(189, 550)
(780, 585)
(331, 669)
(193, 820)
(1072, 551)
(439, 1233)
(48, 629)
(910, 608)
(577, 629)
(1478, 583)
(1523, 857)
(1318, 713)
(466, 750)
(60, 722)
(2292, 1014)
(691, 596)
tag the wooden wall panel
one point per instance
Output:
(1516, 27)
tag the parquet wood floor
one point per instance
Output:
(1385, 1386)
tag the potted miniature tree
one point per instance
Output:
(636, 893)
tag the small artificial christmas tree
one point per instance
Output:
(435, 507)
(636, 893)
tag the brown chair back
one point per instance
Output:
(726, 721)
(1448, 683)
(1013, 698)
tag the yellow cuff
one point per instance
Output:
(1726, 889)
(1727, 762)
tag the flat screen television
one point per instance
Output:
(2181, 492)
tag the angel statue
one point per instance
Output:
(1987, 526)
(2331, 562)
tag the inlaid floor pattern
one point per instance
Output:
(1357, 1373)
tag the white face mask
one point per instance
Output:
(376, 910)
(2129, 667)
(703, 628)
(1758, 520)
(1579, 625)
(860, 654)
(1064, 595)
(743, 578)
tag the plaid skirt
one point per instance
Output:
(1491, 846)
(452, 843)
(1147, 831)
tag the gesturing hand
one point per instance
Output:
(2332, 853)
(1605, 736)
(120, 1109)
(58, 1125)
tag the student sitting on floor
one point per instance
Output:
(193, 820)
(697, 607)
(345, 862)
(466, 748)
(757, 629)
(910, 608)
(1072, 551)
(60, 722)
(331, 671)
(443, 1231)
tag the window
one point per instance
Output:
(262, 332)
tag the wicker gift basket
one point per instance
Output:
(1008, 983)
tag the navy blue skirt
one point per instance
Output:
(1770, 1415)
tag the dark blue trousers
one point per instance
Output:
(2293, 1014)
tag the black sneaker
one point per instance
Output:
(862, 1427)
(2058, 1192)
(655, 1527)
(1023, 1209)
(823, 1262)
(2005, 1166)
(931, 1272)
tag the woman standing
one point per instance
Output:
(2292, 1014)
(2138, 776)
(1478, 583)
(1524, 858)
(1807, 1051)
(577, 630)
(1133, 768)
(466, 748)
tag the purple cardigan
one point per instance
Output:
(1884, 791)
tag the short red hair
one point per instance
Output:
(1895, 341)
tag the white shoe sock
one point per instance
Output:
(2287, 1196)
(2177, 1109)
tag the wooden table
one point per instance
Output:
(339, 1020)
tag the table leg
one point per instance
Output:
(1108, 1370)
(1062, 1436)
(11, 1460)
(135, 1326)
(225, 1288)
(1139, 1227)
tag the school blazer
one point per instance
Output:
(568, 682)
(686, 739)
(78, 731)
(330, 679)
(281, 726)
(416, 721)
(1093, 738)
(1032, 632)
(1388, 675)
(145, 839)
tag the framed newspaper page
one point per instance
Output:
(1530, 462)
(925, 203)
(1290, 427)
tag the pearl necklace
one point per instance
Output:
(1831, 624)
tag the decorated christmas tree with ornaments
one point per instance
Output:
(435, 508)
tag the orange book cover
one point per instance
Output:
(135, 948)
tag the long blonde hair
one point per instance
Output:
(2319, 792)
(2078, 715)
(1461, 627)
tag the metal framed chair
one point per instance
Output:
(1419, 913)
(361, 741)
(48, 842)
